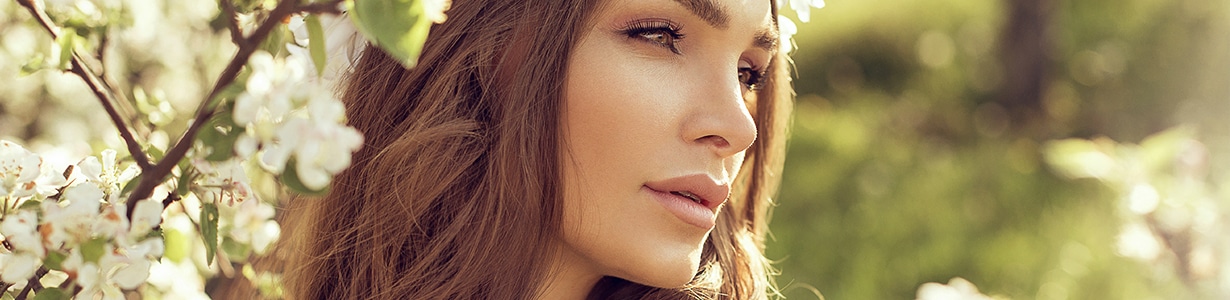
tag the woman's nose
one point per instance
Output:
(720, 119)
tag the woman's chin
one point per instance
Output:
(666, 274)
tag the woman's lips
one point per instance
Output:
(701, 212)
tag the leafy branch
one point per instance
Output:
(306, 173)
(155, 174)
(98, 86)
(205, 111)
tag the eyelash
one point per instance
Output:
(666, 34)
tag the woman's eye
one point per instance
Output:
(750, 77)
(663, 38)
(657, 32)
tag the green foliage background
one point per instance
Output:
(904, 168)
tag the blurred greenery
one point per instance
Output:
(916, 157)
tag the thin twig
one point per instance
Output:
(103, 40)
(171, 197)
(125, 107)
(232, 22)
(101, 91)
(32, 285)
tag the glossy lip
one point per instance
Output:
(712, 195)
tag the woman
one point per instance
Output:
(559, 150)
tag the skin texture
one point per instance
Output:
(637, 111)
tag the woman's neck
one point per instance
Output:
(571, 277)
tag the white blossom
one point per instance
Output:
(247, 22)
(23, 174)
(132, 265)
(343, 43)
(269, 92)
(119, 267)
(177, 280)
(50, 180)
(957, 289)
(75, 222)
(18, 266)
(145, 217)
(802, 8)
(434, 10)
(252, 223)
(285, 116)
(786, 30)
(106, 174)
(92, 276)
(19, 168)
(325, 151)
(20, 230)
(222, 182)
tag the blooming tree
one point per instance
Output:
(98, 227)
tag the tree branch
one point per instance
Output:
(205, 110)
(101, 91)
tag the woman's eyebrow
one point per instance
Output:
(766, 38)
(717, 16)
(712, 12)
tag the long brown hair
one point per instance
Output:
(457, 192)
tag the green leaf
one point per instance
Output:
(67, 40)
(316, 42)
(209, 230)
(36, 63)
(131, 185)
(155, 153)
(184, 166)
(290, 177)
(220, 135)
(183, 187)
(143, 101)
(397, 26)
(275, 43)
(177, 245)
(54, 260)
(219, 104)
(52, 294)
(30, 204)
(236, 251)
(93, 250)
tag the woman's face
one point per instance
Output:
(656, 125)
